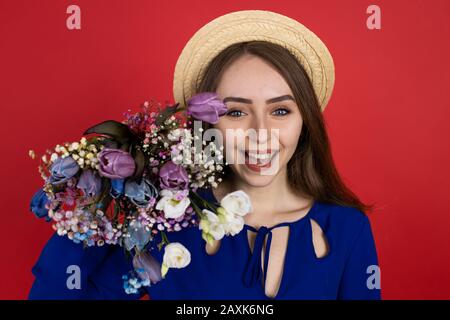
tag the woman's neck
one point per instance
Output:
(267, 201)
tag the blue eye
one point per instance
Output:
(281, 112)
(235, 113)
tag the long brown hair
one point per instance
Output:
(311, 170)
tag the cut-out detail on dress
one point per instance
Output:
(319, 240)
(255, 264)
(277, 255)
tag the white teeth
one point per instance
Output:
(259, 156)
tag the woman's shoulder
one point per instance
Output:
(347, 220)
(341, 213)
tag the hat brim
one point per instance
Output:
(248, 25)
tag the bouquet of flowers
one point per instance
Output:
(124, 182)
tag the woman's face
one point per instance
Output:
(258, 98)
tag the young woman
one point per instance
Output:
(307, 237)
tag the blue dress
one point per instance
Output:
(348, 271)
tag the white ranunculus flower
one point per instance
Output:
(175, 256)
(172, 207)
(235, 226)
(212, 225)
(237, 203)
(232, 223)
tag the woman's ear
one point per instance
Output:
(213, 248)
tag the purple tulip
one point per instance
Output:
(147, 267)
(173, 176)
(63, 169)
(115, 163)
(90, 183)
(206, 106)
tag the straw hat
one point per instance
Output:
(247, 25)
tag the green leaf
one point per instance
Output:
(119, 131)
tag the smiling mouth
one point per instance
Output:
(260, 159)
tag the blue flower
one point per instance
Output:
(117, 186)
(138, 236)
(132, 283)
(140, 193)
(37, 205)
(63, 169)
(90, 183)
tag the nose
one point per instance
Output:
(261, 126)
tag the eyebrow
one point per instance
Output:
(249, 101)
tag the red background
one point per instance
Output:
(387, 118)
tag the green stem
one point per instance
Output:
(203, 201)
(164, 237)
(164, 240)
(198, 210)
